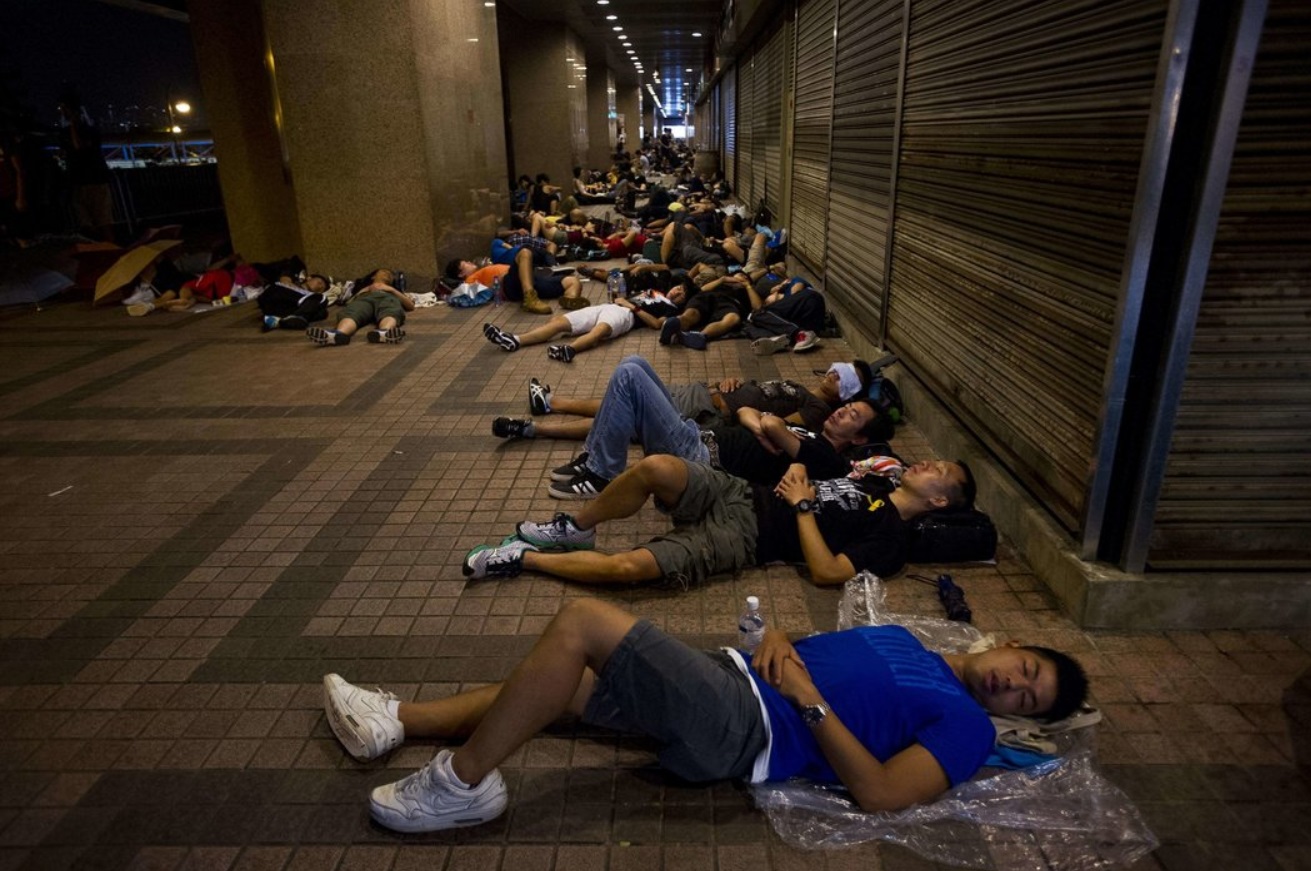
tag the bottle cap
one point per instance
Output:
(753, 603)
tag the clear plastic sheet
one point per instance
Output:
(1061, 815)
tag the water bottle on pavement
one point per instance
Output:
(750, 626)
(612, 285)
(623, 285)
(400, 281)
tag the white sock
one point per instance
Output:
(394, 708)
(449, 770)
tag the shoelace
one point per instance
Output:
(559, 525)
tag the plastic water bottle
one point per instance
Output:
(400, 281)
(750, 626)
(623, 285)
(612, 285)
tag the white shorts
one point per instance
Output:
(584, 320)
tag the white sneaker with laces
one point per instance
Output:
(559, 531)
(359, 718)
(806, 339)
(769, 345)
(431, 799)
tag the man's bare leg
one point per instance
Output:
(660, 475)
(591, 338)
(552, 680)
(537, 335)
(722, 326)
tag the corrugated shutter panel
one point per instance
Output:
(864, 113)
(1237, 489)
(810, 132)
(745, 127)
(770, 73)
(1023, 127)
(729, 109)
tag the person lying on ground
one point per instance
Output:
(379, 303)
(717, 311)
(648, 308)
(288, 304)
(591, 326)
(528, 281)
(868, 708)
(723, 524)
(707, 404)
(637, 407)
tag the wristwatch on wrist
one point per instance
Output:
(813, 715)
(805, 506)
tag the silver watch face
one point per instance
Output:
(814, 714)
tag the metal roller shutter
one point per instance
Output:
(729, 109)
(745, 127)
(810, 131)
(1022, 131)
(767, 135)
(864, 117)
(1236, 484)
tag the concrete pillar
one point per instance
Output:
(389, 114)
(240, 102)
(628, 104)
(601, 113)
(546, 82)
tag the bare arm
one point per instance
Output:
(911, 776)
(776, 430)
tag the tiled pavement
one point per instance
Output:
(200, 520)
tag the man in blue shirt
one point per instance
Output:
(869, 708)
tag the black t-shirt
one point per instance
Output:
(656, 306)
(780, 398)
(742, 455)
(865, 528)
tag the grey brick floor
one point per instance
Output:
(199, 520)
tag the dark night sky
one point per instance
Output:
(113, 55)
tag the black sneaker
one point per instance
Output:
(563, 353)
(320, 336)
(570, 470)
(389, 336)
(585, 485)
(669, 331)
(500, 337)
(294, 322)
(510, 428)
(539, 397)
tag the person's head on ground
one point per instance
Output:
(459, 270)
(382, 276)
(317, 283)
(856, 422)
(1016, 680)
(578, 216)
(842, 381)
(938, 484)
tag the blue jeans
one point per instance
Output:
(638, 406)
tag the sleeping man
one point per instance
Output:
(869, 708)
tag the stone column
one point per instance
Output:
(241, 104)
(628, 103)
(546, 82)
(601, 112)
(389, 115)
